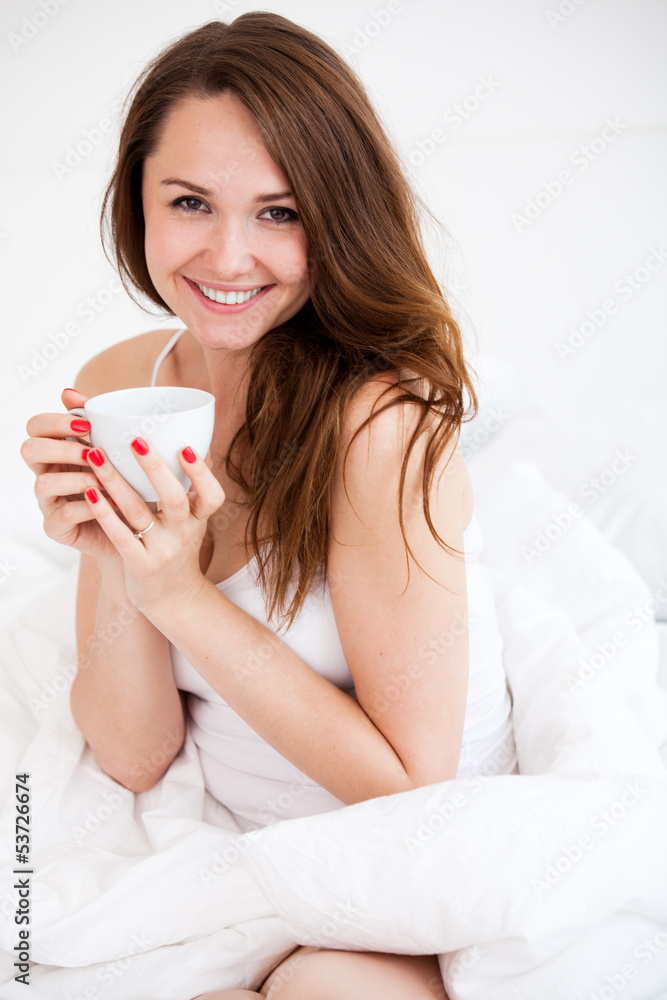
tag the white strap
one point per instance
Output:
(164, 352)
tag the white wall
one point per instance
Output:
(553, 81)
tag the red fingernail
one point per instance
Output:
(95, 456)
(189, 455)
(69, 389)
(92, 495)
(140, 446)
(84, 453)
(80, 426)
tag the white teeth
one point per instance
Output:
(227, 298)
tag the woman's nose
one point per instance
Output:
(229, 251)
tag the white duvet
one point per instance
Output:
(547, 885)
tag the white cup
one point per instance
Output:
(167, 417)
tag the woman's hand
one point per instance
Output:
(62, 475)
(162, 567)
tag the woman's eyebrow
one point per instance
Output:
(260, 199)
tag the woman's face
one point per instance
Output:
(218, 213)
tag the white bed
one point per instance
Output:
(549, 884)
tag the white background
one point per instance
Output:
(557, 78)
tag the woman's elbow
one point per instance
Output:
(144, 774)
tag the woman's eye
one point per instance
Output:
(288, 215)
(180, 203)
(278, 215)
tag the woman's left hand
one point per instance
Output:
(162, 567)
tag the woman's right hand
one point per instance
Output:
(62, 476)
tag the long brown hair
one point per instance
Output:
(375, 304)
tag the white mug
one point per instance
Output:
(167, 417)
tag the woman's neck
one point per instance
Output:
(222, 373)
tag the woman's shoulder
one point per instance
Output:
(391, 430)
(380, 394)
(125, 365)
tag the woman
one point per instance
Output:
(257, 198)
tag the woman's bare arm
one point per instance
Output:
(124, 698)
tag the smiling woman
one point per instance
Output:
(257, 198)
(192, 245)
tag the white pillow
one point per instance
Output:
(625, 499)
(632, 514)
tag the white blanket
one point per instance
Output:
(549, 884)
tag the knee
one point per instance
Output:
(298, 977)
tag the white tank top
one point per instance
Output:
(257, 783)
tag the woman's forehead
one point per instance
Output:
(212, 142)
(211, 122)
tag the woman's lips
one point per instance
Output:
(220, 307)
